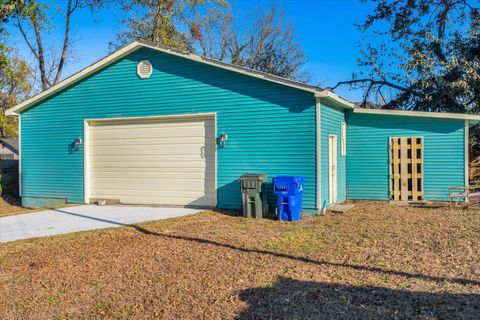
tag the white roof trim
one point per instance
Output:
(74, 78)
(231, 67)
(334, 96)
(135, 45)
(441, 115)
(318, 92)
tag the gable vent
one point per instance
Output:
(144, 69)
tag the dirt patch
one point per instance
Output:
(375, 262)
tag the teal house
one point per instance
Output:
(150, 125)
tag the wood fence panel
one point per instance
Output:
(406, 168)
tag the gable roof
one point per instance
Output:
(318, 92)
(138, 44)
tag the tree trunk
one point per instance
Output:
(40, 54)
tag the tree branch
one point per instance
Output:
(63, 57)
(41, 56)
(29, 44)
(372, 82)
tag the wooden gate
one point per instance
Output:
(406, 168)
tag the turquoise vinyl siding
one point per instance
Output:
(368, 141)
(331, 119)
(270, 127)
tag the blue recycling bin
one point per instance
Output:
(289, 191)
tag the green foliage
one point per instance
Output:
(14, 88)
(422, 55)
(14, 72)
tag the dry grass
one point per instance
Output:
(376, 261)
(11, 206)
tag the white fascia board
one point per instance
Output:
(441, 115)
(331, 95)
(145, 44)
(231, 67)
(74, 78)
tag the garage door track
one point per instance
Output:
(81, 218)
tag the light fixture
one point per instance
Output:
(222, 139)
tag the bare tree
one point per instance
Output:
(267, 44)
(33, 21)
(164, 22)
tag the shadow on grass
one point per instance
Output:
(292, 299)
(283, 255)
(12, 200)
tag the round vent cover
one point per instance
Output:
(144, 69)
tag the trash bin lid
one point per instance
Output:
(257, 176)
(294, 178)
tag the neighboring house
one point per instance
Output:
(142, 126)
(8, 149)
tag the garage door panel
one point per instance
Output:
(153, 193)
(162, 198)
(141, 150)
(197, 159)
(154, 175)
(153, 161)
(146, 123)
(173, 201)
(150, 183)
(153, 141)
(134, 170)
(150, 133)
(149, 165)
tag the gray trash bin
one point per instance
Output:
(254, 195)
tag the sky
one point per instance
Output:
(325, 30)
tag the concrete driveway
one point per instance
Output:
(81, 218)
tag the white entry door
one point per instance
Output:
(332, 167)
(163, 161)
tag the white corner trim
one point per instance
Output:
(86, 162)
(343, 138)
(318, 132)
(215, 117)
(20, 156)
(441, 115)
(467, 153)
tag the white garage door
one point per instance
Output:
(151, 161)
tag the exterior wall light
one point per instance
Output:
(77, 142)
(222, 139)
(75, 145)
